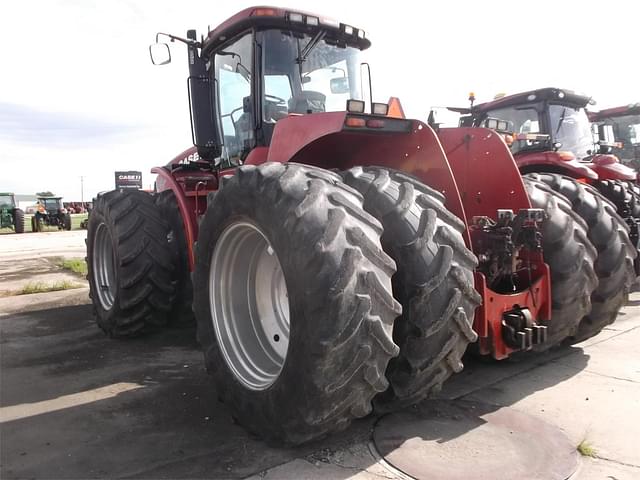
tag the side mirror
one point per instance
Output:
(339, 85)
(204, 127)
(160, 53)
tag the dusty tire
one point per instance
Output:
(66, 221)
(125, 228)
(626, 198)
(340, 302)
(571, 258)
(18, 220)
(615, 253)
(181, 304)
(434, 282)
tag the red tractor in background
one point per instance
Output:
(334, 253)
(552, 140)
(625, 122)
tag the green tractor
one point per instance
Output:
(50, 213)
(10, 215)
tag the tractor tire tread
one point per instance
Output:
(339, 289)
(434, 282)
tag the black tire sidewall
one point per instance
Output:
(280, 393)
(106, 318)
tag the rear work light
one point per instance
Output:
(355, 106)
(295, 17)
(379, 108)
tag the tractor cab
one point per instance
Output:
(550, 131)
(263, 65)
(625, 125)
(545, 119)
(7, 201)
(50, 205)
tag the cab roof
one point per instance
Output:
(275, 17)
(557, 95)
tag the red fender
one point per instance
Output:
(608, 167)
(191, 188)
(323, 140)
(488, 179)
(554, 162)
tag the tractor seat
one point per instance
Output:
(308, 102)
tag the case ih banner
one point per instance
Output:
(128, 179)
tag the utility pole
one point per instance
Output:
(82, 191)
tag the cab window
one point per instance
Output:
(233, 71)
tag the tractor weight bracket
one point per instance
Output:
(520, 331)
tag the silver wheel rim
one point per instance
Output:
(104, 267)
(249, 305)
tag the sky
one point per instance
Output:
(79, 96)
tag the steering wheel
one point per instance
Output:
(277, 99)
(230, 115)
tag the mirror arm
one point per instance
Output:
(173, 38)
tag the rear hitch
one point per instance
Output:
(520, 331)
(499, 243)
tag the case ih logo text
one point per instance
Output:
(128, 179)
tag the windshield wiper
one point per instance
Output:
(302, 56)
(561, 121)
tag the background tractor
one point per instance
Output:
(50, 212)
(10, 215)
(552, 140)
(337, 255)
(625, 121)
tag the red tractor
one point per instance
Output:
(334, 253)
(552, 140)
(625, 123)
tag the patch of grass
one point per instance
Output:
(41, 287)
(76, 265)
(586, 449)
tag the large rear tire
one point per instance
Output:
(434, 282)
(18, 220)
(293, 300)
(66, 221)
(181, 305)
(608, 233)
(129, 264)
(570, 257)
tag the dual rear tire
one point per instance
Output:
(615, 254)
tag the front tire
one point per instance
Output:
(434, 282)
(287, 250)
(570, 257)
(615, 253)
(128, 262)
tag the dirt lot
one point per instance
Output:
(75, 404)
